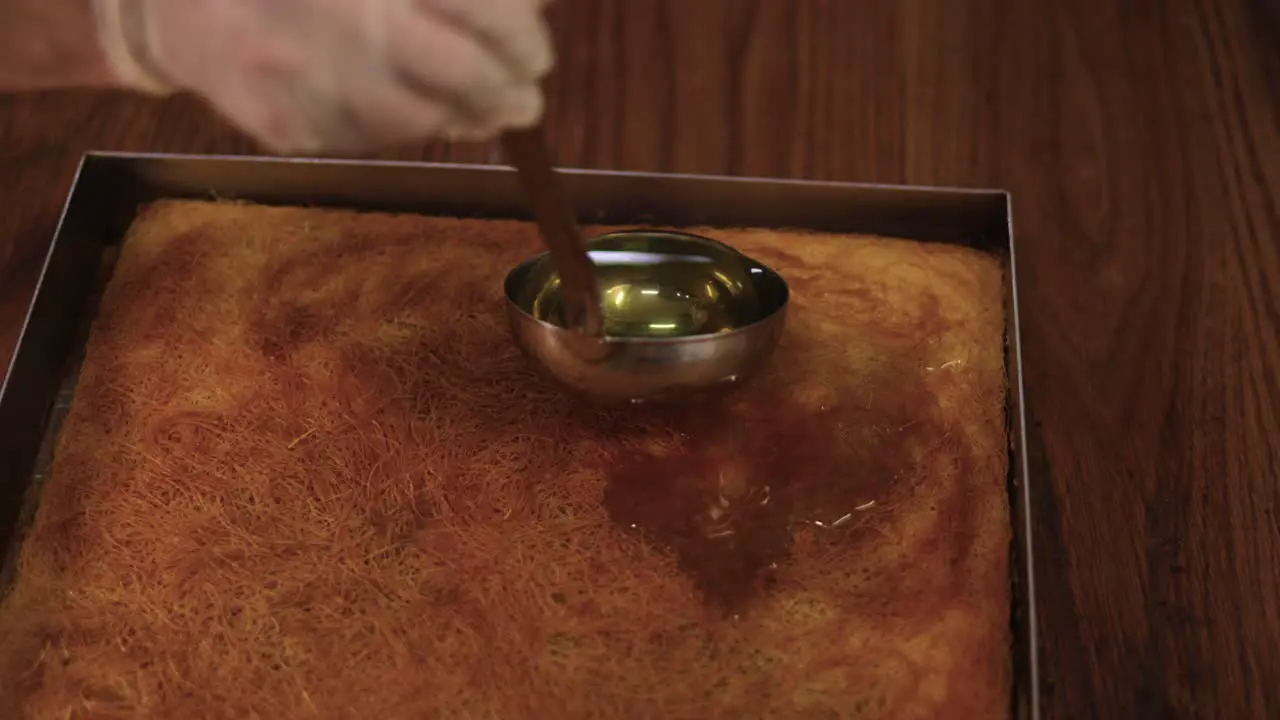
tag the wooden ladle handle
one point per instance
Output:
(527, 152)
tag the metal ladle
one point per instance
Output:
(639, 315)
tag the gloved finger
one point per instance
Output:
(513, 30)
(382, 114)
(528, 113)
(272, 110)
(442, 63)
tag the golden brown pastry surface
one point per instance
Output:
(306, 474)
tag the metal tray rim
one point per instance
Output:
(411, 164)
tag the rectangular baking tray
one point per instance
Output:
(109, 188)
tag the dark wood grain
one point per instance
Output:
(1141, 140)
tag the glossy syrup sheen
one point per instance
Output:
(659, 289)
(738, 477)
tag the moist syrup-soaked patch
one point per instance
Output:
(307, 474)
(733, 481)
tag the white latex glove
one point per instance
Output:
(305, 76)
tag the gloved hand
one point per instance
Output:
(304, 76)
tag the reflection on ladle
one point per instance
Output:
(581, 301)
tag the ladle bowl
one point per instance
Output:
(682, 314)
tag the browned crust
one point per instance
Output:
(306, 472)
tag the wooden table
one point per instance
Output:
(1141, 140)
